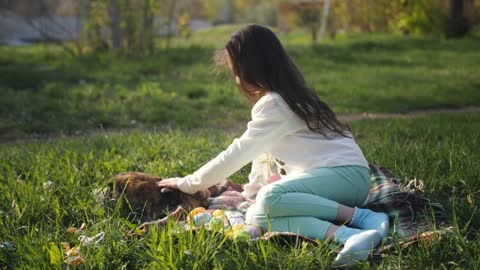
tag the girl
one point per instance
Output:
(327, 176)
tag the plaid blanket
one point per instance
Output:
(410, 211)
(404, 203)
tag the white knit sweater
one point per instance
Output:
(275, 132)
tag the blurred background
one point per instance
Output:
(92, 25)
(69, 66)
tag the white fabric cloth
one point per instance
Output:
(275, 132)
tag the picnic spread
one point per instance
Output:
(404, 203)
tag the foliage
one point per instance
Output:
(182, 25)
(309, 17)
(210, 9)
(248, 11)
(132, 20)
(95, 19)
(243, 11)
(421, 17)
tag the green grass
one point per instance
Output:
(45, 91)
(170, 111)
(441, 150)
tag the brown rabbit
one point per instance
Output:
(144, 198)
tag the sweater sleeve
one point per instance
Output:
(256, 179)
(269, 122)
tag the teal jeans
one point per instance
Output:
(307, 204)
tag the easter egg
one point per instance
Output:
(216, 223)
(218, 213)
(236, 219)
(201, 219)
(198, 210)
(238, 227)
(253, 231)
(241, 235)
(195, 212)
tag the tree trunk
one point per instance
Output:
(148, 26)
(458, 25)
(323, 23)
(314, 35)
(116, 31)
(144, 36)
(130, 29)
(352, 13)
(371, 15)
(171, 16)
(226, 16)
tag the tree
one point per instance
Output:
(325, 13)
(116, 30)
(309, 16)
(460, 18)
(146, 34)
(450, 18)
(226, 16)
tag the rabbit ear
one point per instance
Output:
(167, 190)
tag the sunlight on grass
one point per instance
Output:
(44, 91)
(169, 113)
(441, 150)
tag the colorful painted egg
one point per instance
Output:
(236, 219)
(254, 231)
(201, 219)
(217, 223)
(198, 210)
(218, 213)
(238, 227)
(241, 235)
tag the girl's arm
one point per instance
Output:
(270, 121)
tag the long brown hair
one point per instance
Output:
(258, 58)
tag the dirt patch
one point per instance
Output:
(413, 114)
(240, 126)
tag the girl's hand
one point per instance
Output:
(168, 183)
(249, 200)
(273, 178)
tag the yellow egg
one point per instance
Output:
(218, 213)
(237, 227)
